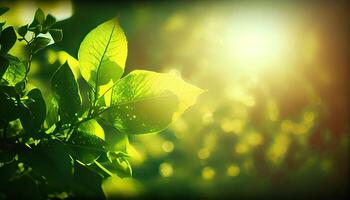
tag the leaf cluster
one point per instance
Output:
(60, 147)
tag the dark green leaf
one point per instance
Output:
(20, 86)
(33, 112)
(1, 25)
(56, 34)
(48, 23)
(3, 10)
(38, 20)
(4, 63)
(7, 39)
(52, 161)
(8, 107)
(87, 142)
(66, 91)
(15, 72)
(22, 31)
(87, 183)
(40, 43)
(26, 184)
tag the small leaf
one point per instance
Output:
(33, 112)
(7, 39)
(148, 102)
(40, 43)
(15, 72)
(66, 91)
(38, 20)
(118, 164)
(56, 34)
(49, 22)
(87, 142)
(3, 10)
(22, 31)
(102, 54)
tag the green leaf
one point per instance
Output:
(22, 31)
(147, 102)
(87, 142)
(52, 161)
(3, 10)
(52, 112)
(15, 72)
(8, 107)
(118, 164)
(87, 183)
(7, 39)
(39, 43)
(33, 111)
(4, 63)
(49, 22)
(56, 34)
(36, 25)
(115, 140)
(102, 54)
(66, 91)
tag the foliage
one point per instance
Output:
(61, 148)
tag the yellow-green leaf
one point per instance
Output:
(148, 102)
(87, 142)
(102, 54)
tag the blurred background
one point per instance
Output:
(275, 118)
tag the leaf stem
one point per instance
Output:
(103, 168)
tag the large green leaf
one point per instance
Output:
(102, 54)
(15, 72)
(147, 102)
(87, 142)
(66, 90)
(33, 111)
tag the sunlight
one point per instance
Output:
(256, 42)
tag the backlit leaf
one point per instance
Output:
(15, 72)
(147, 102)
(87, 142)
(102, 54)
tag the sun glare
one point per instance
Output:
(255, 43)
